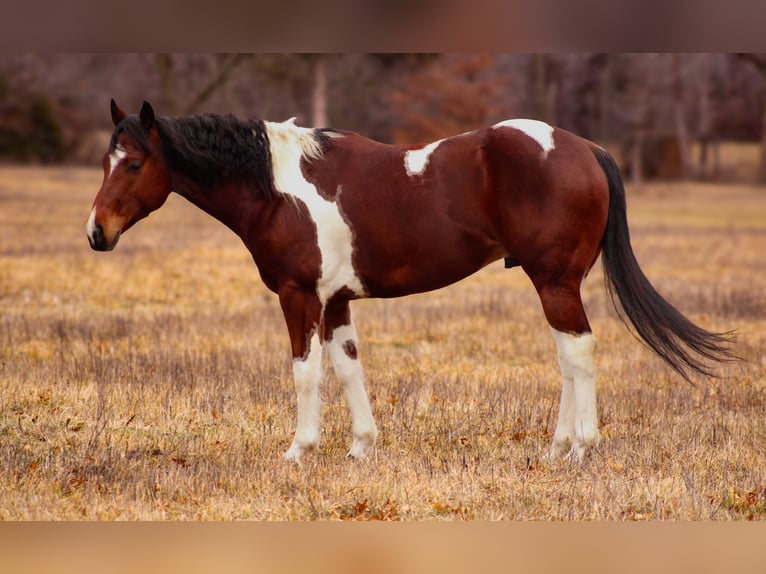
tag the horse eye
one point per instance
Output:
(134, 166)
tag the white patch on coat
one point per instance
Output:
(539, 131)
(119, 154)
(289, 143)
(416, 160)
(90, 226)
(350, 372)
(577, 424)
(307, 376)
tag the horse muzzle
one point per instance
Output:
(97, 237)
(98, 240)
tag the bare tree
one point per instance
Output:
(633, 80)
(224, 65)
(318, 64)
(708, 104)
(319, 93)
(679, 117)
(545, 72)
(447, 96)
(759, 62)
(649, 107)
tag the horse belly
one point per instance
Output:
(430, 260)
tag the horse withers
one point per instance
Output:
(330, 216)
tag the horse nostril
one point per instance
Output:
(97, 239)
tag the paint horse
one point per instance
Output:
(330, 216)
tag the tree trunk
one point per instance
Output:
(319, 94)
(679, 113)
(636, 155)
(604, 99)
(704, 171)
(705, 124)
(759, 61)
(544, 88)
(640, 129)
(716, 159)
(165, 66)
(762, 175)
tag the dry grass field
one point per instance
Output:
(154, 382)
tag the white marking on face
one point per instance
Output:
(307, 376)
(578, 421)
(416, 160)
(288, 144)
(90, 226)
(116, 157)
(539, 131)
(351, 374)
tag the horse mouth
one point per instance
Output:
(114, 240)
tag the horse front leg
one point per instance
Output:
(303, 314)
(342, 345)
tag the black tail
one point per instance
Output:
(682, 344)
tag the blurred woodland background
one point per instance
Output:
(665, 116)
(155, 383)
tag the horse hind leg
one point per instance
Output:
(577, 424)
(578, 421)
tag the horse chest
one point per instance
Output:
(335, 243)
(333, 235)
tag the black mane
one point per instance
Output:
(213, 148)
(209, 147)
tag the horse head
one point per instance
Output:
(136, 177)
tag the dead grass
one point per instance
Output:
(154, 382)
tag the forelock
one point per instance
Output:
(131, 126)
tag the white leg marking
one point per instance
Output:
(578, 420)
(342, 349)
(90, 226)
(565, 426)
(539, 131)
(115, 158)
(307, 374)
(288, 143)
(416, 160)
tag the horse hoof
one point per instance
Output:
(559, 448)
(576, 454)
(293, 456)
(296, 452)
(582, 449)
(360, 449)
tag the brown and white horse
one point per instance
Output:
(330, 216)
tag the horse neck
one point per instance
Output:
(231, 203)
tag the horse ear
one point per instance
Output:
(117, 114)
(147, 116)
